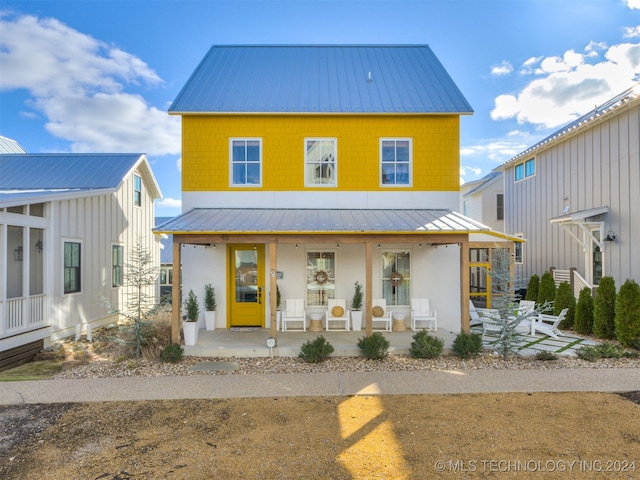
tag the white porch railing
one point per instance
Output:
(574, 279)
(22, 314)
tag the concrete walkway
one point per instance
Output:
(320, 384)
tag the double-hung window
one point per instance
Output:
(396, 277)
(71, 267)
(525, 169)
(500, 206)
(137, 190)
(321, 278)
(395, 161)
(117, 263)
(320, 162)
(246, 162)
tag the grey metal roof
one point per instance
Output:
(320, 79)
(262, 220)
(64, 171)
(483, 182)
(8, 145)
(579, 215)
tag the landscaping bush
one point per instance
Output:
(547, 289)
(583, 319)
(604, 350)
(316, 351)
(467, 345)
(627, 319)
(425, 346)
(374, 347)
(172, 353)
(546, 356)
(604, 309)
(564, 299)
(532, 288)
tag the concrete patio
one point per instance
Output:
(227, 343)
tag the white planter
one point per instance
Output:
(210, 319)
(190, 330)
(201, 321)
(356, 320)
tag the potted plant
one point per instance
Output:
(356, 308)
(209, 307)
(190, 323)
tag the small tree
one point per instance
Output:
(564, 299)
(547, 289)
(583, 319)
(604, 309)
(627, 318)
(356, 302)
(532, 288)
(191, 307)
(209, 298)
(139, 277)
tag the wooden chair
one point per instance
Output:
(294, 312)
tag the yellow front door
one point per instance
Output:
(246, 285)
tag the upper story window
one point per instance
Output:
(71, 267)
(395, 161)
(526, 169)
(320, 162)
(137, 190)
(246, 160)
(500, 206)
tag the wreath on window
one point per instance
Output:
(321, 277)
(396, 279)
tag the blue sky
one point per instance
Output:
(98, 76)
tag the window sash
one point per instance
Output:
(500, 206)
(117, 262)
(318, 294)
(137, 191)
(246, 161)
(400, 262)
(71, 267)
(320, 158)
(395, 161)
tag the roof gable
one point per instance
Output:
(320, 79)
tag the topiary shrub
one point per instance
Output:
(547, 289)
(425, 346)
(374, 347)
(604, 309)
(315, 351)
(583, 319)
(467, 345)
(627, 320)
(172, 353)
(532, 288)
(564, 299)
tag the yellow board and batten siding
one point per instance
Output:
(435, 149)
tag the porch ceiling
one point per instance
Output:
(319, 221)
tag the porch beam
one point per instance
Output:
(368, 289)
(427, 238)
(175, 291)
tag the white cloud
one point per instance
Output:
(505, 68)
(633, 4)
(632, 32)
(179, 164)
(169, 203)
(80, 85)
(570, 85)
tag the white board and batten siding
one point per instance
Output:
(595, 165)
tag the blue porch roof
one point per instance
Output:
(372, 79)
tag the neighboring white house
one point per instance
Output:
(573, 196)
(67, 223)
(483, 200)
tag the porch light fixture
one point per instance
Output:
(610, 236)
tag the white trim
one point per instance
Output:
(409, 184)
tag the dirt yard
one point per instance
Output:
(586, 435)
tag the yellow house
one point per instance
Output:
(307, 169)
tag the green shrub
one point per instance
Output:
(604, 350)
(604, 309)
(532, 288)
(547, 289)
(209, 298)
(627, 320)
(564, 299)
(583, 319)
(316, 351)
(467, 345)
(546, 356)
(172, 353)
(425, 346)
(374, 347)
(191, 307)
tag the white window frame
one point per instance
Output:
(332, 165)
(311, 271)
(384, 279)
(137, 193)
(121, 265)
(523, 165)
(231, 162)
(80, 267)
(409, 162)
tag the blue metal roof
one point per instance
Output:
(320, 79)
(64, 171)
